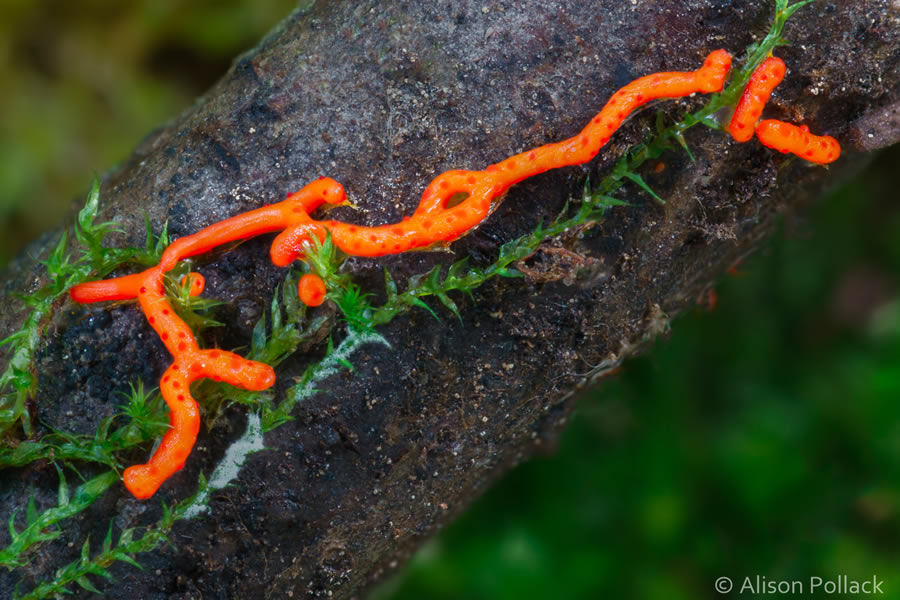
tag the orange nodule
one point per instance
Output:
(196, 281)
(311, 290)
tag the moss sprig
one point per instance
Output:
(196, 311)
(336, 357)
(17, 382)
(125, 549)
(43, 527)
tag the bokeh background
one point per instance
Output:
(762, 438)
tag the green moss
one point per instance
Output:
(64, 270)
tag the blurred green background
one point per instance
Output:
(84, 81)
(763, 438)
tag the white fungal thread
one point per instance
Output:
(227, 470)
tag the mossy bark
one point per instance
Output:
(382, 97)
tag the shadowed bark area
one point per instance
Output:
(383, 97)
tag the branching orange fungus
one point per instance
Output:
(435, 221)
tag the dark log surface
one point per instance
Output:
(383, 97)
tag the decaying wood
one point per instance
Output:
(383, 97)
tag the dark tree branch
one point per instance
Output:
(382, 97)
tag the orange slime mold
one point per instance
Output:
(433, 222)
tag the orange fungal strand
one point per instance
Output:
(786, 137)
(184, 417)
(119, 288)
(190, 363)
(585, 145)
(293, 210)
(749, 109)
(433, 222)
(184, 413)
(311, 289)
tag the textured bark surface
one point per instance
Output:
(383, 97)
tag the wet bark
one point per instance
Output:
(383, 97)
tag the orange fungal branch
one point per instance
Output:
(786, 137)
(765, 78)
